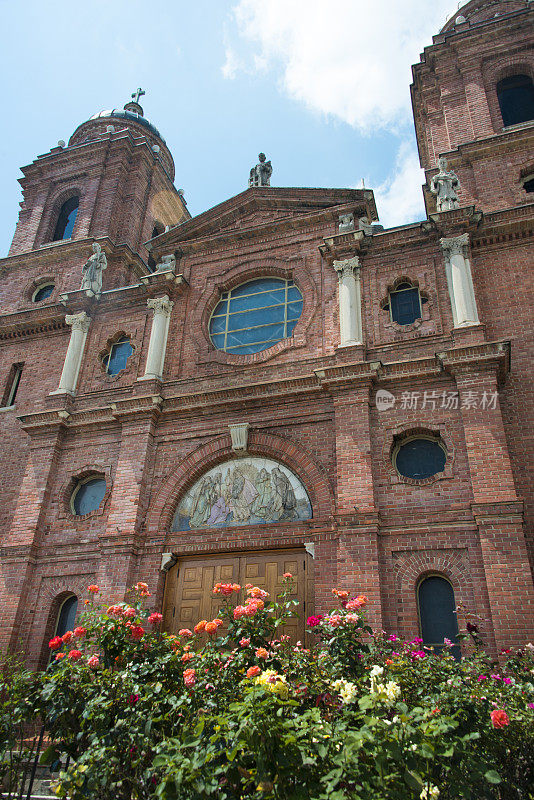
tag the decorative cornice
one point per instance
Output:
(346, 376)
(476, 355)
(31, 322)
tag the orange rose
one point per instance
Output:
(499, 718)
(210, 628)
(261, 652)
(93, 589)
(253, 671)
(200, 626)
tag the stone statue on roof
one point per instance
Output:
(260, 175)
(444, 185)
(92, 272)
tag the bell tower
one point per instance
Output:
(113, 179)
(473, 103)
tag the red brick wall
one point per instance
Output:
(309, 403)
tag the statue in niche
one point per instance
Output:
(444, 185)
(92, 272)
(260, 175)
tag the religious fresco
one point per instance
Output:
(245, 491)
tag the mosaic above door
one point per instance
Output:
(245, 491)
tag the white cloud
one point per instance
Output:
(347, 58)
(399, 199)
(232, 63)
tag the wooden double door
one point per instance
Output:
(189, 587)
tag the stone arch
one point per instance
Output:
(206, 456)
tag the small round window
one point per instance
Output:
(88, 495)
(254, 316)
(43, 292)
(419, 458)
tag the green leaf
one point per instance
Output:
(413, 780)
(492, 776)
(50, 755)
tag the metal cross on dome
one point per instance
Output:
(136, 95)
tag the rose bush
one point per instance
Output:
(235, 709)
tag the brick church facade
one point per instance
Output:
(149, 434)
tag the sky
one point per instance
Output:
(321, 87)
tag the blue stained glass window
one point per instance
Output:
(420, 458)
(66, 219)
(67, 615)
(118, 356)
(88, 496)
(254, 316)
(437, 613)
(43, 293)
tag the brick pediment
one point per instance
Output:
(258, 207)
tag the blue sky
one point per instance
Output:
(321, 88)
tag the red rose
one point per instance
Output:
(80, 632)
(499, 718)
(137, 632)
(75, 655)
(93, 589)
(155, 618)
(66, 637)
(55, 643)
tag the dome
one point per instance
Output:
(133, 116)
(480, 11)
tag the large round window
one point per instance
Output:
(255, 315)
(419, 458)
(88, 495)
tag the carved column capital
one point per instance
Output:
(160, 305)
(348, 266)
(455, 244)
(78, 322)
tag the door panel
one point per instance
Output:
(188, 592)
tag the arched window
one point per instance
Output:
(67, 615)
(516, 99)
(437, 614)
(66, 219)
(254, 316)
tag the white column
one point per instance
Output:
(161, 306)
(460, 281)
(73, 359)
(350, 301)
